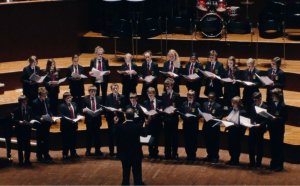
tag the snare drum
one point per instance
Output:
(201, 5)
(211, 25)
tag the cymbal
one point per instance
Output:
(247, 2)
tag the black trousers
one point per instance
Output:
(136, 166)
(235, 136)
(154, 131)
(23, 136)
(171, 137)
(111, 135)
(190, 131)
(103, 87)
(69, 139)
(53, 97)
(42, 137)
(212, 139)
(93, 137)
(256, 145)
(276, 130)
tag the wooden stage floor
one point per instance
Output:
(105, 171)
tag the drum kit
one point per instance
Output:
(216, 16)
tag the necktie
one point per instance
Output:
(249, 75)
(191, 69)
(212, 67)
(273, 74)
(76, 69)
(152, 105)
(171, 66)
(23, 112)
(190, 106)
(72, 114)
(230, 74)
(209, 106)
(93, 103)
(45, 105)
(148, 68)
(100, 65)
(52, 76)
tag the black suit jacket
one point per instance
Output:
(111, 102)
(216, 84)
(30, 90)
(127, 79)
(153, 71)
(128, 140)
(216, 109)
(278, 78)
(17, 117)
(105, 67)
(279, 111)
(38, 109)
(176, 71)
(257, 118)
(155, 123)
(191, 110)
(76, 85)
(90, 119)
(66, 124)
(197, 68)
(138, 112)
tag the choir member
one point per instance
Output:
(173, 65)
(52, 84)
(154, 122)
(92, 111)
(138, 112)
(30, 87)
(276, 74)
(22, 117)
(249, 75)
(170, 99)
(190, 112)
(68, 111)
(129, 76)
(129, 147)
(42, 113)
(210, 130)
(76, 83)
(276, 129)
(213, 84)
(149, 68)
(235, 132)
(231, 89)
(100, 63)
(117, 101)
(256, 133)
(194, 67)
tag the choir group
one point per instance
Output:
(158, 113)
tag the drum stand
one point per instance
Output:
(284, 41)
(247, 3)
(193, 37)
(256, 52)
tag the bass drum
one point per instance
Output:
(211, 25)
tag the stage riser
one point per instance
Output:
(291, 152)
(13, 80)
(202, 47)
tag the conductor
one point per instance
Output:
(129, 147)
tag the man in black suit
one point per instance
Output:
(276, 74)
(138, 112)
(154, 122)
(129, 76)
(256, 133)
(190, 125)
(100, 63)
(249, 75)
(92, 111)
(6, 131)
(68, 127)
(21, 117)
(42, 113)
(76, 83)
(211, 132)
(117, 101)
(194, 67)
(30, 87)
(213, 84)
(276, 129)
(170, 98)
(129, 147)
(173, 65)
(149, 68)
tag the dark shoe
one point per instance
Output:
(87, 153)
(278, 169)
(208, 159)
(98, 153)
(65, 157)
(40, 159)
(27, 163)
(214, 160)
(20, 164)
(251, 165)
(167, 157)
(75, 156)
(231, 162)
(112, 154)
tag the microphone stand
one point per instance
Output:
(193, 35)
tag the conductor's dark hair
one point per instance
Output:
(129, 114)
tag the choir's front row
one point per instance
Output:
(157, 115)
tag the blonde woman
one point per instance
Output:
(173, 65)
